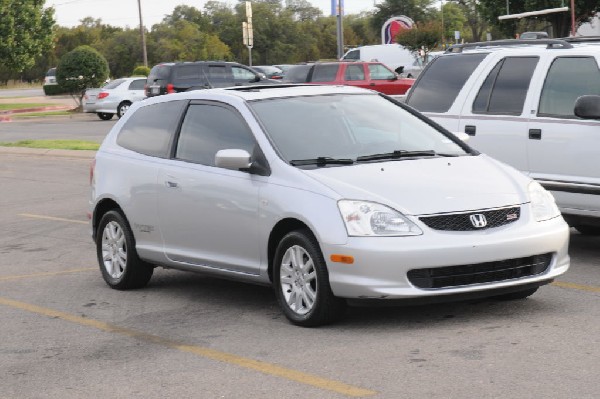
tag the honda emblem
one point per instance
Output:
(478, 220)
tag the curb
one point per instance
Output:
(77, 154)
(5, 116)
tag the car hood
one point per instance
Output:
(429, 185)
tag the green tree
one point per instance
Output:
(423, 38)
(471, 11)
(81, 69)
(141, 71)
(25, 32)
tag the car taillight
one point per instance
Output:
(102, 95)
(170, 88)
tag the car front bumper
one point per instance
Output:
(381, 264)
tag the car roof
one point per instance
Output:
(258, 92)
(531, 46)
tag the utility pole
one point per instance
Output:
(340, 27)
(143, 34)
(443, 35)
(248, 32)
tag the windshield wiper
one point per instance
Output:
(397, 155)
(322, 161)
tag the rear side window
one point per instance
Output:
(137, 84)
(187, 72)
(354, 72)
(159, 72)
(150, 129)
(297, 74)
(325, 73)
(505, 89)
(441, 81)
(207, 129)
(563, 86)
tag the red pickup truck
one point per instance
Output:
(369, 75)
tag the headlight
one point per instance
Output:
(542, 203)
(371, 219)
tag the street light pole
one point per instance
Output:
(143, 34)
(340, 28)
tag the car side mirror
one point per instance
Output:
(588, 107)
(400, 70)
(258, 78)
(233, 159)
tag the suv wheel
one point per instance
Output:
(122, 108)
(301, 282)
(115, 247)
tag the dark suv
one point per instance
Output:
(169, 78)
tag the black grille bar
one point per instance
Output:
(480, 273)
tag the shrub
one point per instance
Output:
(141, 71)
(52, 90)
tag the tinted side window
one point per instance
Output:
(441, 81)
(137, 84)
(150, 129)
(354, 72)
(509, 83)
(325, 73)
(187, 72)
(207, 129)
(297, 74)
(159, 72)
(242, 74)
(379, 72)
(563, 86)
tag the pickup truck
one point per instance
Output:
(516, 99)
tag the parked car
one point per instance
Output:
(271, 72)
(324, 192)
(395, 56)
(369, 75)
(516, 99)
(115, 97)
(50, 78)
(168, 78)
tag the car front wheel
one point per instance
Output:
(123, 108)
(301, 282)
(115, 247)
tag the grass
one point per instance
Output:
(38, 114)
(6, 107)
(55, 144)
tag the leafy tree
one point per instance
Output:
(141, 70)
(25, 32)
(81, 69)
(471, 11)
(424, 37)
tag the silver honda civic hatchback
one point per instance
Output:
(325, 193)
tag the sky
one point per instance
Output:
(125, 12)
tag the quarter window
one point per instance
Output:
(150, 129)
(207, 129)
(505, 89)
(563, 86)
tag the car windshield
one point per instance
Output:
(343, 129)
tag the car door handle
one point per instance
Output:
(535, 134)
(171, 184)
(470, 130)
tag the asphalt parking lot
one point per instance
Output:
(65, 334)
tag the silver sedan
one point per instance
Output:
(115, 97)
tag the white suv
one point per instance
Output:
(516, 99)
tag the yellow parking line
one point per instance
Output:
(29, 215)
(256, 365)
(44, 274)
(574, 286)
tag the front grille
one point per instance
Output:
(480, 273)
(462, 221)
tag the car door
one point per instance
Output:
(209, 215)
(495, 115)
(355, 75)
(563, 149)
(136, 90)
(384, 80)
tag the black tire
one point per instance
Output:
(325, 308)
(513, 296)
(588, 230)
(122, 108)
(119, 262)
(104, 116)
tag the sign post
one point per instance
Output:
(248, 32)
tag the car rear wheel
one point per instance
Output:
(588, 230)
(301, 282)
(115, 247)
(105, 116)
(123, 108)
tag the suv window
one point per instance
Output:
(242, 74)
(137, 84)
(354, 72)
(159, 72)
(150, 129)
(563, 87)
(324, 72)
(207, 129)
(442, 80)
(187, 72)
(379, 72)
(505, 89)
(297, 74)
